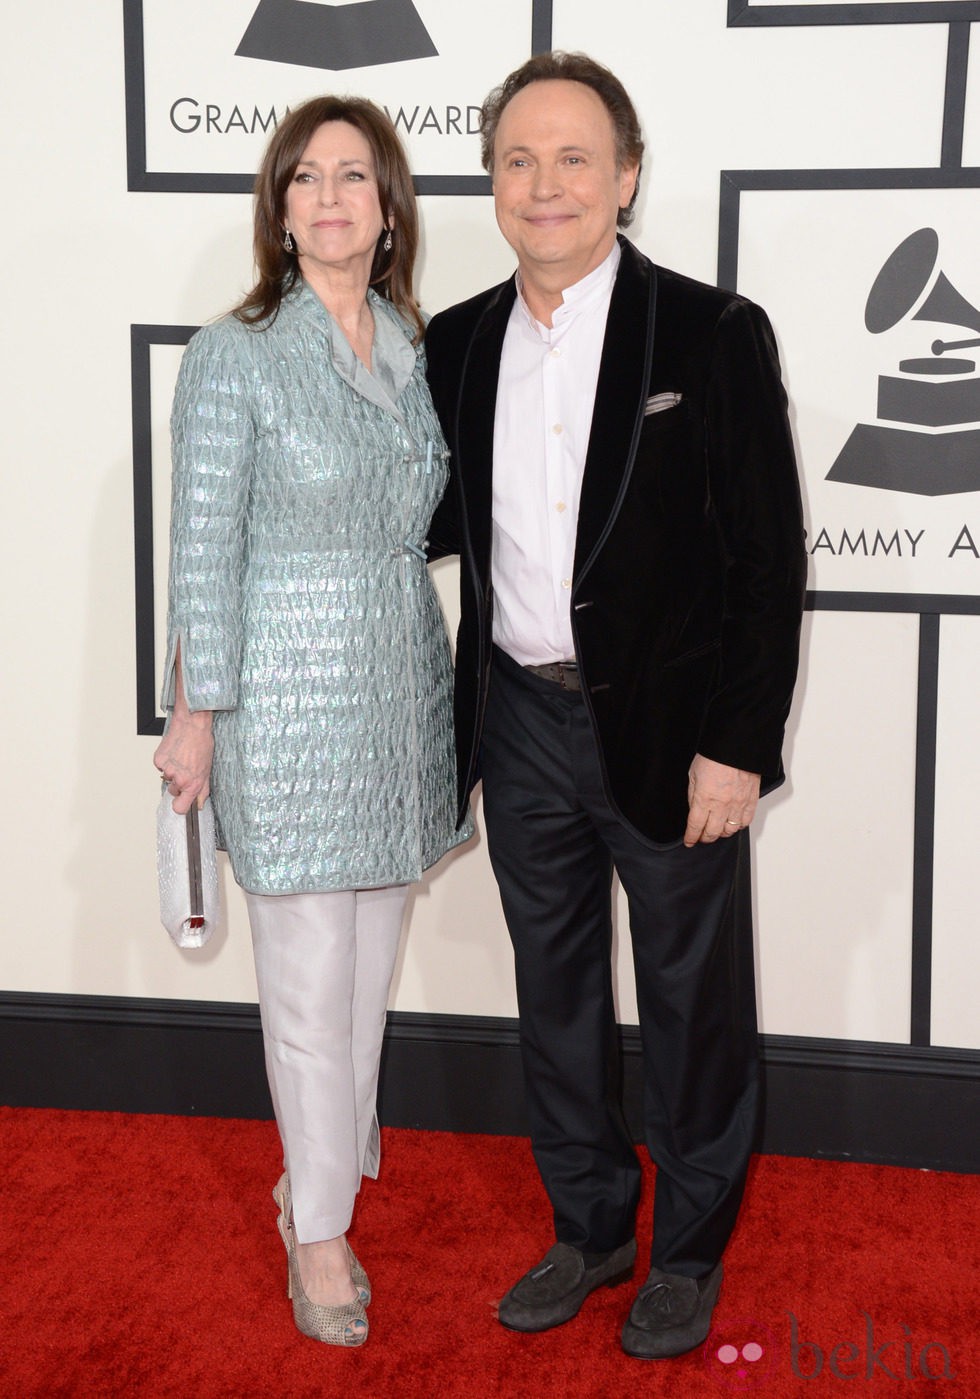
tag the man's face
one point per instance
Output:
(556, 183)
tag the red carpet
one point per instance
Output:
(139, 1256)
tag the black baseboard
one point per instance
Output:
(885, 1103)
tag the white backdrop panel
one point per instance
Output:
(971, 127)
(834, 863)
(831, 246)
(956, 913)
(462, 250)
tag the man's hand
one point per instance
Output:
(721, 800)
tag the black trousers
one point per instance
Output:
(554, 842)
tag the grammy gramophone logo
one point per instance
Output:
(336, 36)
(927, 437)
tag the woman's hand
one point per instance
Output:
(184, 754)
(184, 759)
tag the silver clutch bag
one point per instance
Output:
(187, 868)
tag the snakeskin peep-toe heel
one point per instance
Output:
(335, 1326)
(359, 1277)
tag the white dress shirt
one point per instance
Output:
(545, 397)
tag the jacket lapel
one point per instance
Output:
(475, 420)
(621, 389)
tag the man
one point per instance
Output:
(626, 505)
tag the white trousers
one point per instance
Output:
(323, 963)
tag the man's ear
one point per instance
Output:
(627, 184)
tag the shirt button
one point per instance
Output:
(555, 353)
(566, 582)
(557, 429)
(561, 507)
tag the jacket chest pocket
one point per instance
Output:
(669, 467)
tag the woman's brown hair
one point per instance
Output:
(278, 270)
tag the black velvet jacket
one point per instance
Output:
(690, 568)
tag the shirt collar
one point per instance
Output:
(393, 356)
(582, 296)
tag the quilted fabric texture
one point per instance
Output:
(303, 487)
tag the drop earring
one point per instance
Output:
(287, 242)
(387, 242)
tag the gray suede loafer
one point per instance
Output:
(554, 1290)
(671, 1314)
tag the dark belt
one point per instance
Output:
(563, 673)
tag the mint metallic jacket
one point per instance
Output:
(303, 487)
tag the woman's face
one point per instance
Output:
(332, 207)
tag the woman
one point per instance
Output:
(308, 675)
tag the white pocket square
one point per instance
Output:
(660, 401)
